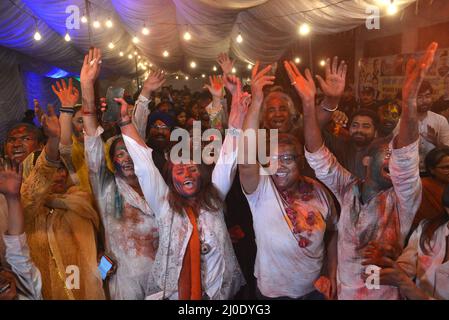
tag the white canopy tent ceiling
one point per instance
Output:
(268, 28)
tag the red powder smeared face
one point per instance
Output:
(186, 179)
(122, 160)
(20, 143)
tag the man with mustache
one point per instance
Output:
(433, 128)
(350, 152)
(389, 113)
(131, 234)
(381, 207)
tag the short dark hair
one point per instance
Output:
(425, 86)
(367, 113)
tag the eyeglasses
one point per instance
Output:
(286, 158)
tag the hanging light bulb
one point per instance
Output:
(239, 38)
(121, 54)
(135, 39)
(392, 9)
(151, 64)
(203, 76)
(297, 60)
(214, 68)
(304, 29)
(193, 64)
(187, 77)
(165, 54)
(250, 66)
(37, 36)
(234, 70)
(109, 23)
(177, 77)
(111, 45)
(135, 53)
(67, 37)
(130, 56)
(322, 63)
(96, 24)
(145, 30)
(138, 57)
(84, 19)
(187, 36)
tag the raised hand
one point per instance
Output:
(240, 105)
(334, 84)
(10, 178)
(225, 63)
(124, 115)
(91, 66)
(216, 86)
(304, 86)
(154, 81)
(340, 118)
(230, 82)
(50, 123)
(258, 81)
(415, 72)
(68, 95)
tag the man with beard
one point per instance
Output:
(131, 234)
(292, 214)
(381, 207)
(433, 128)
(389, 113)
(350, 152)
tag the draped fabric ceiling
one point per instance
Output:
(268, 27)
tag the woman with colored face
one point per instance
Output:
(196, 257)
(130, 230)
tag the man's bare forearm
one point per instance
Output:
(89, 108)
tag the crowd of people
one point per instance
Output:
(356, 208)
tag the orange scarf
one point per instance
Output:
(189, 283)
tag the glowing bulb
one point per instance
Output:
(187, 36)
(151, 64)
(109, 23)
(297, 60)
(250, 66)
(143, 67)
(145, 63)
(135, 53)
(145, 31)
(121, 54)
(239, 38)
(392, 9)
(193, 64)
(138, 57)
(322, 63)
(214, 68)
(187, 77)
(37, 36)
(304, 29)
(83, 19)
(234, 70)
(67, 37)
(165, 53)
(96, 24)
(177, 77)
(130, 56)
(135, 40)
(111, 45)
(203, 76)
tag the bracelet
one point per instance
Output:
(67, 110)
(124, 123)
(87, 113)
(330, 110)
